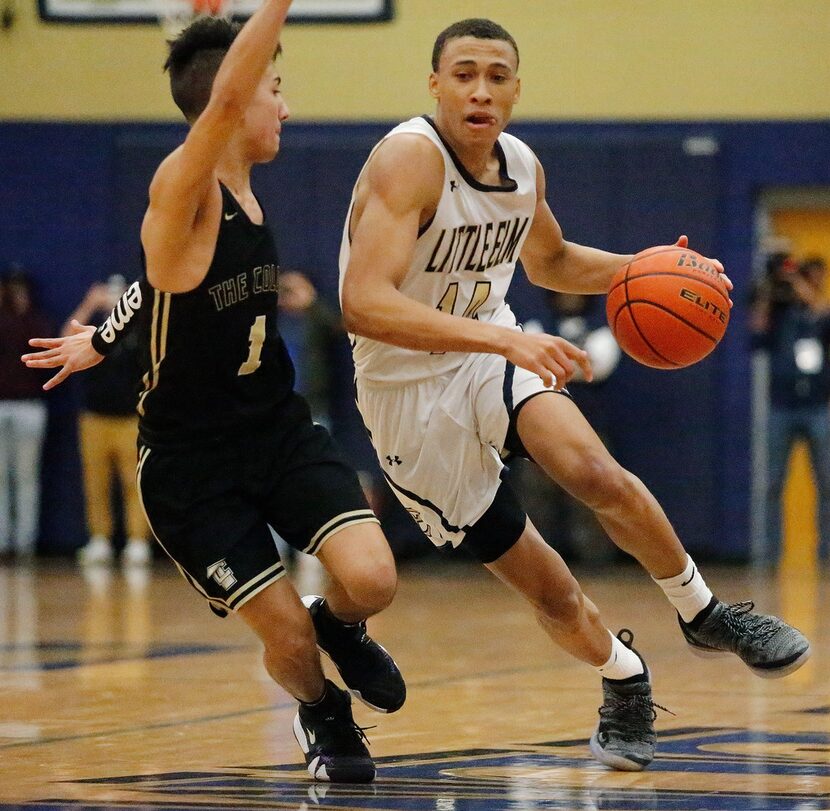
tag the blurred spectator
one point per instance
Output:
(22, 416)
(108, 430)
(567, 524)
(791, 322)
(310, 329)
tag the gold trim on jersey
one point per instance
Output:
(158, 343)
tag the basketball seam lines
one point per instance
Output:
(640, 333)
(672, 313)
(634, 321)
(668, 273)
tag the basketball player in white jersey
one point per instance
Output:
(449, 386)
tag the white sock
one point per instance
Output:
(687, 591)
(622, 663)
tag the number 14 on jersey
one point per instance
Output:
(481, 293)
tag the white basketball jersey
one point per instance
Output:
(464, 259)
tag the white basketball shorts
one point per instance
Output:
(440, 441)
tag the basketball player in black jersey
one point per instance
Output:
(226, 447)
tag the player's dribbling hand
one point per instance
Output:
(683, 242)
(72, 353)
(552, 358)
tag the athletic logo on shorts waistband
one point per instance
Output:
(222, 574)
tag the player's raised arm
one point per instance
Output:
(233, 88)
(399, 191)
(187, 176)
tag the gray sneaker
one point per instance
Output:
(625, 737)
(767, 645)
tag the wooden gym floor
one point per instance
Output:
(123, 692)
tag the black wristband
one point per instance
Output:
(100, 345)
(119, 322)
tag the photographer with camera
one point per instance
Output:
(791, 322)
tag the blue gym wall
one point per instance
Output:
(72, 196)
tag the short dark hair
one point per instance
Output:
(476, 27)
(194, 59)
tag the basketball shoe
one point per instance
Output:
(368, 671)
(767, 645)
(625, 737)
(333, 744)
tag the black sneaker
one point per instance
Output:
(767, 645)
(333, 744)
(625, 737)
(369, 672)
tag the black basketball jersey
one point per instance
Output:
(213, 360)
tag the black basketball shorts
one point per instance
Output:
(210, 507)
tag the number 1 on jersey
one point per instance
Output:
(256, 339)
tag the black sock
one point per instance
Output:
(329, 616)
(319, 703)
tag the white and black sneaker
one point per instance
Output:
(369, 672)
(767, 645)
(625, 737)
(333, 744)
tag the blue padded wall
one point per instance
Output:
(73, 194)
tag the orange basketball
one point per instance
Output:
(668, 307)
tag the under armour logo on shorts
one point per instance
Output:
(393, 460)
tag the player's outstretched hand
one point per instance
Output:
(552, 358)
(72, 352)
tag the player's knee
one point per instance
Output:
(372, 587)
(602, 483)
